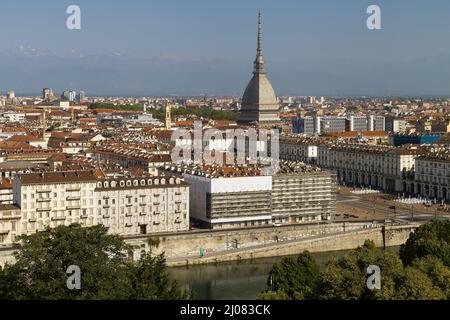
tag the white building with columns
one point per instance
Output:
(432, 176)
(381, 167)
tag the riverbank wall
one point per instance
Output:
(388, 236)
(185, 248)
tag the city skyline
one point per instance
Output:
(321, 48)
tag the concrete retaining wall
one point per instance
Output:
(182, 249)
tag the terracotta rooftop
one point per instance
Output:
(23, 138)
(57, 177)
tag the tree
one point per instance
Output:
(436, 271)
(201, 112)
(294, 278)
(273, 295)
(346, 278)
(151, 281)
(416, 285)
(43, 258)
(153, 242)
(429, 239)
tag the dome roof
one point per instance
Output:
(259, 102)
(259, 91)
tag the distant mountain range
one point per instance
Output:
(133, 76)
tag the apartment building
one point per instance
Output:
(148, 160)
(395, 125)
(302, 149)
(131, 206)
(325, 124)
(10, 217)
(55, 198)
(126, 205)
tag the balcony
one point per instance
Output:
(73, 207)
(58, 218)
(73, 198)
(43, 200)
(43, 191)
(8, 218)
(43, 209)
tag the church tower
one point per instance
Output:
(259, 102)
(168, 117)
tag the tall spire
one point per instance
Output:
(259, 61)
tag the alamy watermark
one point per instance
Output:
(73, 22)
(374, 20)
(229, 147)
(374, 280)
(74, 280)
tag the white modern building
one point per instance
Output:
(230, 202)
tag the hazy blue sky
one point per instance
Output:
(312, 47)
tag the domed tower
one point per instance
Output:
(259, 102)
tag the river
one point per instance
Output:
(234, 281)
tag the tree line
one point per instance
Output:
(158, 113)
(421, 271)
